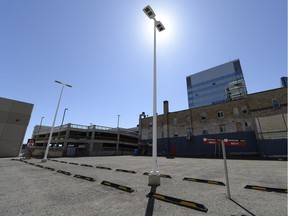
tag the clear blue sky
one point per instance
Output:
(104, 49)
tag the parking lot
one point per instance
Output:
(118, 186)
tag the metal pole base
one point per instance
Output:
(44, 160)
(154, 180)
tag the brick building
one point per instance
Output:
(260, 119)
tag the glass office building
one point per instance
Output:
(211, 86)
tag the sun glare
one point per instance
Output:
(162, 37)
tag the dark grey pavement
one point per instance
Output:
(26, 189)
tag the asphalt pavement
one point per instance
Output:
(119, 186)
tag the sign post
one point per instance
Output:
(225, 167)
(240, 143)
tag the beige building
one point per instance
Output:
(14, 119)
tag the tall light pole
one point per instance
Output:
(118, 136)
(40, 124)
(154, 176)
(63, 116)
(51, 132)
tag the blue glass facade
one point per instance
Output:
(209, 86)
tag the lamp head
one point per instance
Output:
(160, 26)
(149, 12)
(58, 82)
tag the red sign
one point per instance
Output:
(31, 142)
(212, 141)
(240, 143)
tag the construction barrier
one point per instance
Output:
(204, 181)
(161, 175)
(185, 203)
(268, 189)
(64, 172)
(86, 165)
(101, 167)
(127, 171)
(84, 177)
(119, 187)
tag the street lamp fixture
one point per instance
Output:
(40, 124)
(154, 176)
(63, 116)
(51, 132)
(118, 136)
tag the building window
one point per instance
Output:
(175, 121)
(203, 116)
(205, 131)
(188, 81)
(220, 114)
(244, 109)
(222, 128)
(236, 111)
(275, 103)
(246, 124)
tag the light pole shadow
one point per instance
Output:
(242, 207)
(151, 200)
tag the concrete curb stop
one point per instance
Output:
(268, 189)
(119, 187)
(64, 172)
(85, 178)
(127, 171)
(204, 181)
(185, 203)
(62, 161)
(101, 167)
(40, 166)
(86, 165)
(73, 163)
(49, 168)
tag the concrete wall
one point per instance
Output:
(14, 119)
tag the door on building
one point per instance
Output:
(239, 126)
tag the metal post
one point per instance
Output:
(154, 170)
(226, 170)
(118, 137)
(63, 116)
(40, 124)
(154, 177)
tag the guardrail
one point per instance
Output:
(84, 127)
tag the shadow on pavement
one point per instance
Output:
(151, 200)
(242, 207)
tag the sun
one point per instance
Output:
(167, 35)
(162, 37)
